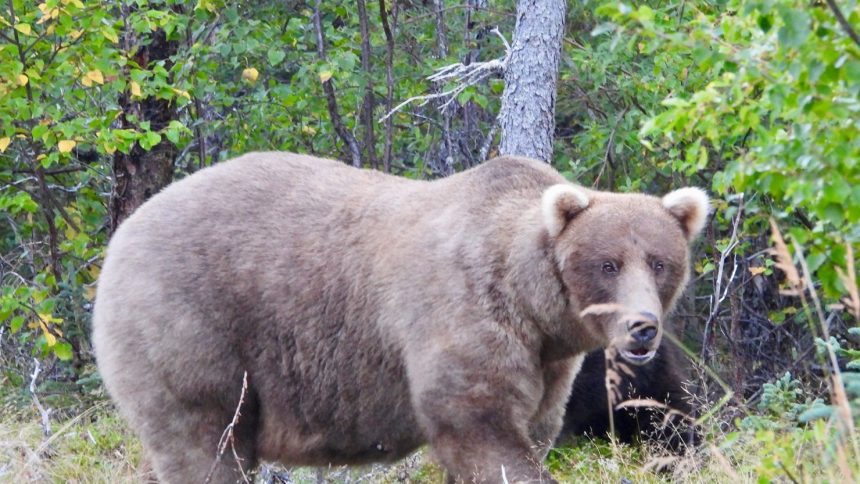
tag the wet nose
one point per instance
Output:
(643, 328)
(645, 335)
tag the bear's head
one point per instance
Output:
(623, 260)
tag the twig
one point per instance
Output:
(46, 420)
(787, 472)
(465, 75)
(488, 141)
(227, 436)
(718, 282)
(843, 22)
(441, 37)
(389, 82)
(331, 97)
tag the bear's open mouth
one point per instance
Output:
(638, 356)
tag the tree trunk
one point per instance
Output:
(527, 116)
(139, 174)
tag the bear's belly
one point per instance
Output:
(363, 436)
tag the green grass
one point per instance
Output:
(95, 446)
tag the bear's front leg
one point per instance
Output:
(558, 379)
(475, 411)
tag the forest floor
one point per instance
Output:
(95, 446)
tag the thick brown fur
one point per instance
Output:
(371, 313)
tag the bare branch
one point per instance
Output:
(45, 414)
(843, 22)
(389, 81)
(330, 96)
(718, 298)
(488, 141)
(465, 76)
(227, 436)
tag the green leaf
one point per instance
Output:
(149, 140)
(63, 350)
(275, 56)
(16, 323)
(795, 27)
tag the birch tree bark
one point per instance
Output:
(527, 116)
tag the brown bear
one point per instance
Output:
(660, 380)
(372, 314)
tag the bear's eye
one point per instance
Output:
(657, 266)
(609, 267)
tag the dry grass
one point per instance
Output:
(96, 447)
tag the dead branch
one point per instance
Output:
(227, 436)
(45, 414)
(843, 22)
(717, 298)
(465, 76)
(331, 97)
(785, 263)
(389, 82)
(488, 140)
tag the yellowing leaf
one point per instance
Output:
(110, 35)
(50, 338)
(23, 28)
(66, 145)
(49, 318)
(23, 79)
(309, 130)
(207, 5)
(135, 88)
(90, 292)
(757, 270)
(4, 143)
(47, 13)
(180, 92)
(250, 74)
(94, 76)
(74, 34)
(325, 76)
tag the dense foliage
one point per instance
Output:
(756, 100)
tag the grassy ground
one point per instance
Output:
(95, 446)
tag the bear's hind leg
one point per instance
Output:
(187, 450)
(182, 440)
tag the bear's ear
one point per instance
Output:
(690, 206)
(559, 204)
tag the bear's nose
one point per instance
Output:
(643, 328)
(645, 335)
